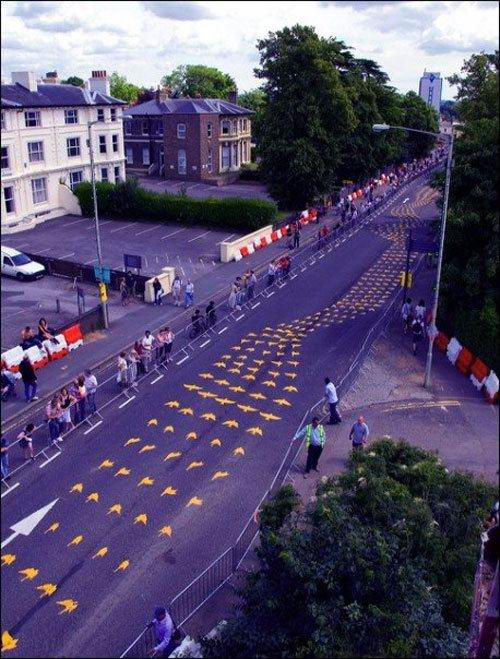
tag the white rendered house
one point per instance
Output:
(44, 145)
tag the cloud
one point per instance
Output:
(178, 11)
(62, 25)
(436, 43)
(32, 9)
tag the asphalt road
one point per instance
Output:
(111, 565)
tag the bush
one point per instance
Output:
(250, 173)
(130, 202)
(380, 563)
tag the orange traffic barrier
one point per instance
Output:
(244, 251)
(263, 242)
(479, 369)
(441, 342)
(73, 336)
(464, 361)
(274, 236)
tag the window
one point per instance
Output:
(209, 130)
(181, 131)
(5, 158)
(75, 178)
(145, 127)
(160, 127)
(3, 120)
(245, 125)
(234, 127)
(117, 174)
(226, 157)
(129, 154)
(209, 161)
(8, 194)
(145, 156)
(104, 174)
(245, 151)
(73, 146)
(35, 151)
(39, 190)
(102, 143)
(113, 114)
(128, 128)
(100, 114)
(32, 118)
(431, 91)
(181, 161)
(225, 126)
(70, 116)
(114, 142)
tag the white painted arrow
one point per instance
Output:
(407, 199)
(26, 525)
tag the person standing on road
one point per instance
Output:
(189, 294)
(29, 378)
(130, 283)
(5, 448)
(406, 313)
(90, 381)
(157, 291)
(160, 345)
(210, 314)
(124, 292)
(251, 283)
(53, 414)
(25, 438)
(333, 401)
(169, 342)
(417, 334)
(163, 628)
(176, 291)
(420, 310)
(231, 303)
(67, 400)
(296, 235)
(8, 383)
(80, 395)
(147, 344)
(121, 376)
(315, 436)
(271, 273)
(359, 433)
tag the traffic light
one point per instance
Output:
(406, 279)
(103, 293)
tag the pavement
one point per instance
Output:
(145, 501)
(243, 189)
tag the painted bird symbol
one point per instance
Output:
(231, 423)
(165, 530)
(206, 376)
(115, 508)
(47, 589)
(168, 429)
(239, 451)
(249, 377)
(250, 349)
(187, 411)
(259, 362)
(291, 388)
(101, 552)
(292, 376)
(68, 605)
(147, 447)
(122, 566)
(252, 369)
(173, 454)
(106, 464)
(123, 471)
(194, 465)
(274, 374)
(93, 496)
(28, 573)
(206, 394)
(208, 416)
(258, 396)
(132, 440)
(194, 501)
(169, 491)
(172, 404)
(141, 519)
(255, 430)
(8, 559)
(219, 474)
(78, 487)
(192, 387)
(146, 481)
(220, 364)
(216, 442)
(269, 417)
(153, 422)
(282, 401)
(235, 370)
(225, 401)
(245, 341)
(76, 541)
(191, 435)
(237, 389)
(222, 383)
(8, 642)
(246, 408)
(239, 364)
(236, 348)
(269, 383)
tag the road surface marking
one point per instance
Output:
(226, 239)
(172, 234)
(159, 226)
(66, 255)
(271, 294)
(88, 262)
(258, 304)
(84, 219)
(125, 226)
(222, 330)
(56, 455)
(26, 525)
(126, 402)
(182, 360)
(92, 427)
(156, 379)
(200, 236)
(240, 317)
(12, 487)
(41, 251)
(205, 343)
(293, 276)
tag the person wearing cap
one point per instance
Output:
(163, 628)
(315, 441)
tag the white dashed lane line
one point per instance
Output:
(125, 226)
(168, 235)
(200, 236)
(149, 229)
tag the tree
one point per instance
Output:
(421, 116)
(307, 114)
(448, 110)
(145, 94)
(380, 563)
(197, 80)
(123, 89)
(254, 100)
(73, 80)
(469, 308)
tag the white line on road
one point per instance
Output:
(182, 360)
(84, 219)
(293, 276)
(271, 294)
(205, 343)
(66, 255)
(240, 317)
(92, 427)
(125, 226)
(41, 251)
(56, 455)
(101, 224)
(20, 246)
(226, 239)
(156, 379)
(258, 304)
(159, 226)
(11, 487)
(200, 236)
(321, 256)
(88, 262)
(173, 233)
(129, 400)
(222, 330)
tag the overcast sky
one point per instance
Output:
(145, 40)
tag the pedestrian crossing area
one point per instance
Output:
(423, 197)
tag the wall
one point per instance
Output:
(229, 249)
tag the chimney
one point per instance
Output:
(99, 82)
(163, 94)
(51, 78)
(26, 79)
(233, 96)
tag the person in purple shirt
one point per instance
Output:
(359, 433)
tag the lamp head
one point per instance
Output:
(379, 128)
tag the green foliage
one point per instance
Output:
(381, 563)
(198, 80)
(448, 110)
(255, 100)
(73, 80)
(121, 88)
(469, 307)
(129, 201)
(417, 114)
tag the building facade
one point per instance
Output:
(430, 89)
(45, 150)
(188, 139)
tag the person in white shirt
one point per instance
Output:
(333, 401)
(163, 628)
(420, 310)
(406, 313)
(121, 376)
(176, 290)
(147, 343)
(91, 387)
(189, 294)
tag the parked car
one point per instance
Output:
(18, 265)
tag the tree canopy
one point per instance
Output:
(469, 307)
(73, 80)
(123, 89)
(380, 563)
(198, 80)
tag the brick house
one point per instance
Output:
(188, 139)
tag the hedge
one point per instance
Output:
(129, 201)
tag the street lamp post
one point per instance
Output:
(378, 128)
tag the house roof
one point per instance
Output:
(187, 106)
(17, 96)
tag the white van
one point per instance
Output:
(18, 265)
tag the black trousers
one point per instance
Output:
(313, 455)
(334, 415)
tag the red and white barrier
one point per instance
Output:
(453, 350)
(13, 358)
(491, 385)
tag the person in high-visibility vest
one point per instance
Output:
(315, 436)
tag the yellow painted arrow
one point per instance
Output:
(239, 451)
(169, 491)
(29, 573)
(258, 396)
(194, 501)
(153, 422)
(219, 474)
(76, 541)
(172, 404)
(206, 376)
(147, 447)
(116, 508)
(168, 429)
(146, 481)
(173, 454)
(255, 430)
(122, 566)
(123, 471)
(68, 605)
(8, 559)
(165, 530)
(194, 465)
(93, 496)
(8, 642)
(208, 416)
(78, 487)
(216, 442)
(105, 464)
(191, 435)
(269, 417)
(101, 552)
(47, 589)
(132, 440)
(141, 519)
(231, 423)
(246, 408)
(192, 387)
